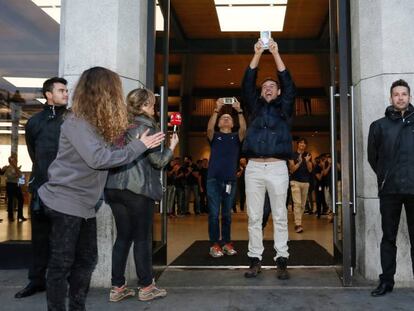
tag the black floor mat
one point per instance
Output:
(301, 253)
(15, 254)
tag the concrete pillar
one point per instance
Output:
(111, 34)
(381, 53)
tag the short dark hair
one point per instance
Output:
(400, 82)
(48, 84)
(300, 139)
(270, 79)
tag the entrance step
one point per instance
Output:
(226, 278)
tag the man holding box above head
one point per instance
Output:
(221, 175)
(268, 145)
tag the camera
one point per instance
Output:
(229, 100)
(265, 37)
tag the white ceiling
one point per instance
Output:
(29, 42)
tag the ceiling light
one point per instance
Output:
(231, 83)
(26, 82)
(9, 132)
(228, 69)
(50, 7)
(247, 2)
(8, 124)
(42, 100)
(159, 19)
(251, 18)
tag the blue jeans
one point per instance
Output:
(216, 196)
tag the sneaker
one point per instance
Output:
(229, 250)
(254, 269)
(151, 292)
(216, 251)
(281, 269)
(119, 293)
(298, 229)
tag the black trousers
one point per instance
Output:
(133, 215)
(13, 192)
(390, 207)
(73, 257)
(321, 205)
(40, 248)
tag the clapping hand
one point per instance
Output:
(151, 141)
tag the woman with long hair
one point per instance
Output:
(77, 178)
(132, 191)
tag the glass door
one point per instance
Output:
(160, 215)
(342, 141)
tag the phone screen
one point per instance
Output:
(265, 37)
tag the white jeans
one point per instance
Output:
(273, 177)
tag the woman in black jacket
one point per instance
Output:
(131, 191)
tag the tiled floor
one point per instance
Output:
(182, 232)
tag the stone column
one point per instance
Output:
(111, 34)
(381, 53)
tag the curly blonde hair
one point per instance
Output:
(136, 99)
(98, 99)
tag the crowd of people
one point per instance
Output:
(104, 149)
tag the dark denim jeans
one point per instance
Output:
(217, 195)
(133, 217)
(73, 257)
(390, 207)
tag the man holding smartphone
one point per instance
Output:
(268, 145)
(221, 176)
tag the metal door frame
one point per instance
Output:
(341, 93)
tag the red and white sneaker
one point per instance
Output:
(216, 251)
(229, 250)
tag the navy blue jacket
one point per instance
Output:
(268, 134)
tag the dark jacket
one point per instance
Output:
(268, 134)
(390, 151)
(42, 140)
(142, 176)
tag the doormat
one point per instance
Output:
(15, 254)
(301, 253)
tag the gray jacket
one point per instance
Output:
(78, 174)
(142, 176)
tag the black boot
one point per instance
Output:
(281, 269)
(30, 290)
(254, 269)
(382, 289)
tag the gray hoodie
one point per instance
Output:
(77, 177)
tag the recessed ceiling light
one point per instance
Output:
(42, 100)
(26, 82)
(159, 19)
(251, 18)
(231, 83)
(228, 69)
(50, 7)
(249, 2)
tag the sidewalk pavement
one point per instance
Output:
(308, 289)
